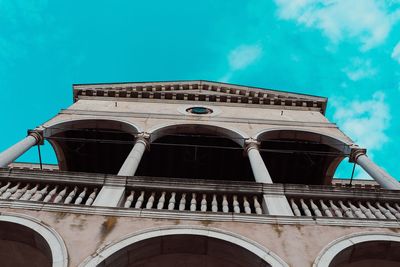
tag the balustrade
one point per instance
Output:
(193, 201)
(352, 208)
(47, 193)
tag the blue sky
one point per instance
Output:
(348, 51)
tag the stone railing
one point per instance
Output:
(336, 202)
(193, 201)
(149, 194)
(48, 193)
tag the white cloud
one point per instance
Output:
(243, 56)
(396, 52)
(240, 58)
(365, 122)
(359, 69)
(369, 21)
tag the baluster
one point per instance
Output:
(19, 192)
(392, 210)
(51, 194)
(347, 210)
(161, 201)
(193, 202)
(39, 194)
(71, 195)
(61, 195)
(4, 188)
(203, 204)
(182, 202)
(214, 204)
(10, 191)
(315, 208)
(236, 207)
(129, 200)
(366, 211)
(305, 208)
(81, 196)
(385, 212)
(91, 197)
(335, 209)
(397, 206)
(257, 205)
(295, 208)
(171, 203)
(139, 201)
(225, 204)
(325, 208)
(246, 205)
(375, 211)
(150, 201)
(28, 194)
(356, 211)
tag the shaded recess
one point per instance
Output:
(196, 155)
(97, 146)
(22, 246)
(183, 250)
(298, 157)
(369, 254)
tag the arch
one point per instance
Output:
(265, 255)
(115, 124)
(316, 167)
(66, 136)
(336, 248)
(196, 151)
(59, 255)
(310, 135)
(233, 134)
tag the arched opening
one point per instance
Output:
(196, 152)
(361, 250)
(21, 246)
(181, 247)
(99, 146)
(369, 254)
(301, 157)
(24, 241)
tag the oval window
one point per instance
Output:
(199, 110)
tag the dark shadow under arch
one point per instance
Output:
(22, 246)
(196, 151)
(90, 145)
(369, 254)
(301, 157)
(182, 251)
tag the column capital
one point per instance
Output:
(355, 152)
(144, 138)
(38, 135)
(251, 143)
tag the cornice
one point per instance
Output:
(199, 91)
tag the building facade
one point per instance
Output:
(194, 173)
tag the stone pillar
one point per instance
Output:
(8, 156)
(379, 175)
(132, 161)
(274, 203)
(260, 172)
(113, 195)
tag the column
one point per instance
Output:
(132, 161)
(113, 195)
(274, 201)
(379, 175)
(8, 156)
(258, 167)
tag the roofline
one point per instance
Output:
(200, 81)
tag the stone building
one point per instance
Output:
(194, 173)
